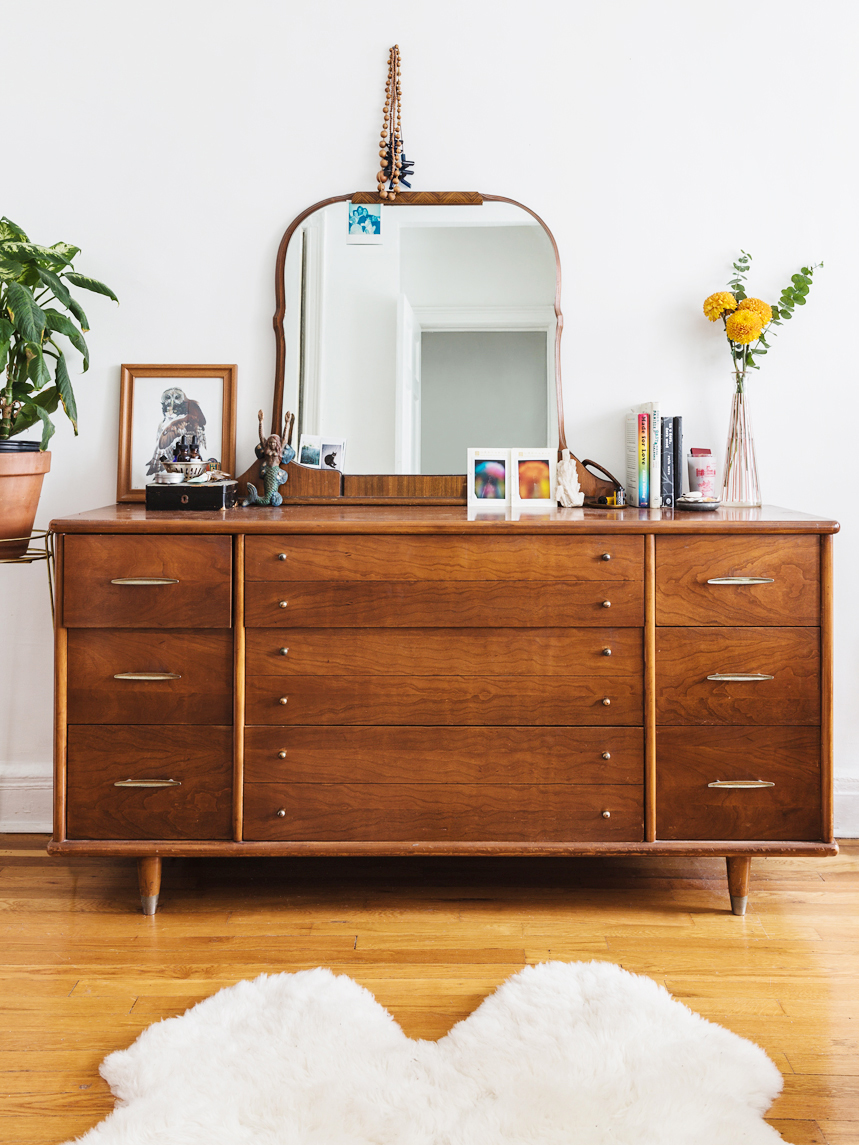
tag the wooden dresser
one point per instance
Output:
(403, 680)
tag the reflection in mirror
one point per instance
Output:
(435, 335)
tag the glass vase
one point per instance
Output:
(740, 488)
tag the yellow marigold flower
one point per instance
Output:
(716, 305)
(744, 326)
(759, 307)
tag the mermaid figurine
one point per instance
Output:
(272, 452)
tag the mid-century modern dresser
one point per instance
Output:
(396, 680)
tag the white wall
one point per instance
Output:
(174, 142)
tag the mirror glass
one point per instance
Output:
(414, 332)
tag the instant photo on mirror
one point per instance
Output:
(489, 477)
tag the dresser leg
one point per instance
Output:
(739, 868)
(149, 881)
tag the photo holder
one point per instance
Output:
(316, 451)
(489, 478)
(533, 478)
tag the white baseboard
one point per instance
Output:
(26, 796)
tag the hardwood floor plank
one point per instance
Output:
(82, 972)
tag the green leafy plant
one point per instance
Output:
(37, 381)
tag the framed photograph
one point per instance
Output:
(160, 404)
(489, 477)
(333, 454)
(365, 223)
(533, 478)
(310, 450)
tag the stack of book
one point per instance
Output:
(654, 452)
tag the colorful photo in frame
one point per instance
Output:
(533, 476)
(489, 477)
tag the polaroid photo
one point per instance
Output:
(332, 454)
(310, 450)
(365, 223)
(533, 478)
(489, 477)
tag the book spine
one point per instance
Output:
(678, 458)
(631, 448)
(655, 483)
(643, 461)
(667, 463)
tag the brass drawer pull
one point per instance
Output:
(145, 580)
(281, 556)
(148, 783)
(606, 702)
(605, 557)
(733, 677)
(606, 755)
(284, 651)
(282, 603)
(147, 676)
(741, 580)
(606, 651)
(606, 604)
(281, 755)
(281, 813)
(741, 783)
(606, 814)
(283, 700)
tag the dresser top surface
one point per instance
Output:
(135, 518)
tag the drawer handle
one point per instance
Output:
(606, 651)
(741, 580)
(282, 603)
(606, 604)
(148, 783)
(284, 651)
(281, 755)
(283, 700)
(281, 556)
(281, 813)
(734, 677)
(606, 755)
(606, 702)
(606, 814)
(741, 783)
(605, 557)
(144, 580)
(147, 676)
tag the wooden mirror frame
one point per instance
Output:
(374, 488)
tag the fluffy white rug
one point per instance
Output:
(561, 1054)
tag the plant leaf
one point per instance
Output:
(4, 353)
(10, 230)
(66, 393)
(10, 270)
(90, 284)
(32, 252)
(28, 317)
(57, 285)
(78, 312)
(6, 329)
(37, 368)
(65, 251)
(56, 321)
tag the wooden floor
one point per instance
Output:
(82, 972)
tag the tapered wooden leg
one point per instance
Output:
(739, 868)
(149, 881)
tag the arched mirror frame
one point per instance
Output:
(318, 485)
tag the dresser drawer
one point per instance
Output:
(690, 759)
(702, 580)
(459, 812)
(198, 761)
(443, 604)
(147, 582)
(475, 755)
(444, 652)
(489, 699)
(128, 676)
(694, 667)
(345, 557)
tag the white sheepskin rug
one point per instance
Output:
(561, 1054)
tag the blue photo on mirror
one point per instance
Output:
(365, 223)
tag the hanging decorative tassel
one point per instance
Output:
(395, 168)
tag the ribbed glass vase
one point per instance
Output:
(740, 488)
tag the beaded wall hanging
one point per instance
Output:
(395, 166)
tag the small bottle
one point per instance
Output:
(183, 452)
(195, 450)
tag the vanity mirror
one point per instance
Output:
(416, 328)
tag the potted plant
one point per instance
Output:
(34, 282)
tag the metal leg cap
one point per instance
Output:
(150, 903)
(738, 903)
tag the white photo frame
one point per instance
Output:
(534, 478)
(310, 450)
(333, 453)
(489, 477)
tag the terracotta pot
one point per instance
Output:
(21, 476)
